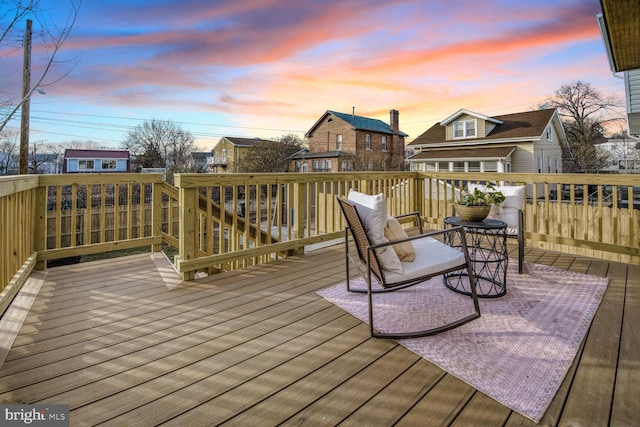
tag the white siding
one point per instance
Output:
(632, 83)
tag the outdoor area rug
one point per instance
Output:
(518, 352)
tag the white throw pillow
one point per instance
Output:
(373, 213)
(506, 211)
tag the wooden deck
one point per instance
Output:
(123, 345)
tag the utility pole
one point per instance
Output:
(26, 101)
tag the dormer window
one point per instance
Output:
(464, 129)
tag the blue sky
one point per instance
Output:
(265, 68)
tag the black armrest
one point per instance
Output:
(458, 229)
(418, 219)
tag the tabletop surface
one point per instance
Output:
(486, 224)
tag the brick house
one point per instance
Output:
(527, 142)
(343, 142)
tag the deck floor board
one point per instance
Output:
(258, 346)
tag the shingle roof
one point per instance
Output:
(529, 124)
(96, 154)
(366, 123)
(243, 142)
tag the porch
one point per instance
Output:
(123, 342)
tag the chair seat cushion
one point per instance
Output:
(431, 256)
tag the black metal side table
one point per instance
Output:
(487, 246)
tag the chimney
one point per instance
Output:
(394, 122)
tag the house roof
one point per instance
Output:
(243, 142)
(323, 154)
(359, 123)
(96, 154)
(621, 33)
(463, 112)
(465, 153)
(529, 124)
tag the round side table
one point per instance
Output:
(487, 246)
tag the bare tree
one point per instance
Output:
(161, 144)
(8, 151)
(36, 151)
(270, 156)
(585, 112)
(53, 36)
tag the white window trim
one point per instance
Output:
(465, 130)
(384, 143)
(367, 145)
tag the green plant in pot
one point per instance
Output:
(475, 206)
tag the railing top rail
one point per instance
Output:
(190, 180)
(17, 183)
(100, 178)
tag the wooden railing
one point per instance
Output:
(220, 222)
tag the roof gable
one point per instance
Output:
(463, 112)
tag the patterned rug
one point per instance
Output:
(518, 352)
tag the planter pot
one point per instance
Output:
(472, 213)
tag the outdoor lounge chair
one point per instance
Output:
(510, 211)
(376, 263)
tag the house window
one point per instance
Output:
(549, 134)
(85, 164)
(368, 141)
(328, 166)
(224, 155)
(305, 168)
(108, 164)
(384, 143)
(338, 142)
(464, 129)
(540, 164)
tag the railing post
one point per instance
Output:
(419, 194)
(156, 214)
(40, 224)
(298, 206)
(187, 247)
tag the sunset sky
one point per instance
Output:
(265, 68)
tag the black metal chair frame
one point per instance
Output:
(369, 268)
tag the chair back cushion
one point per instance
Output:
(507, 211)
(394, 231)
(373, 214)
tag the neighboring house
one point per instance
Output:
(198, 161)
(96, 161)
(226, 154)
(45, 163)
(527, 142)
(338, 140)
(624, 155)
